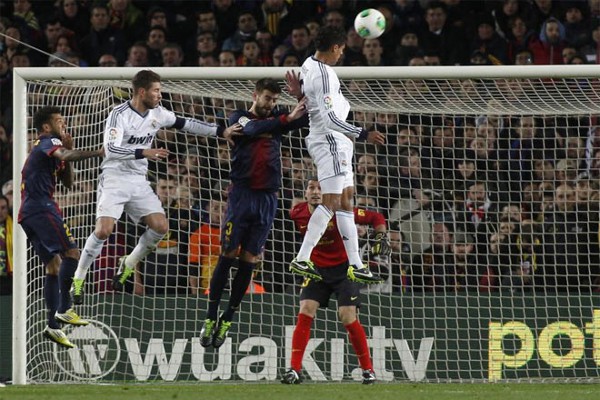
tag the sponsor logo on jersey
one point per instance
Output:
(141, 140)
(243, 120)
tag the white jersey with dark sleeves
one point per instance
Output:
(125, 132)
(327, 106)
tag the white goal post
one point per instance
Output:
(503, 313)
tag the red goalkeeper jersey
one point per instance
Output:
(330, 250)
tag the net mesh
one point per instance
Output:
(490, 189)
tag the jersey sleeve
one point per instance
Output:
(368, 217)
(254, 127)
(113, 138)
(50, 145)
(326, 95)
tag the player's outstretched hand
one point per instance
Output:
(381, 245)
(292, 84)
(101, 152)
(376, 137)
(298, 111)
(234, 130)
(67, 140)
(155, 154)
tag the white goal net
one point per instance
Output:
(489, 181)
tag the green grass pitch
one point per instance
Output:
(311, 391)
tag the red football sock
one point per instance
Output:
(300, 339)
(359, 343)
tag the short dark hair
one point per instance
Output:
(43, 116)
(267, 84)
(329, 36)
(144, 79)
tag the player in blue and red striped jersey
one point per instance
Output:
(330, 258)
(252, 201)
(41, 218)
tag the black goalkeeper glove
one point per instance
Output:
(381, 245)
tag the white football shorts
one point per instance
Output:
(134, 196)
(332, 155)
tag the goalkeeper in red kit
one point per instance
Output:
(329, 256)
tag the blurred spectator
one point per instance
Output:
(12, 42)
(74, 17)
(439, 38)
(127, 18)
(547, 48)
(155, 42)
(466, 270)
(264, 39)
(278, 16)
(226, 15)
(102, 38)
(250, 56)
(407, 48)
(334, 18)
(373, 53)
(353, 51)
(227, 59)
(577, 29)
(519, 38)
(524, 57)
(208, 61)
(246, 28)
(278, 54)
(6, 247)
(20, 60)
(591, 50)
(542, 10)
(206, 44)
(290, 60)
(488, 41)
(428, 267)
(107, 60)
(504, 12)
(172, 55)
(24, 17)
(389, 39)
(137, 55)
(301, 45)
(205, 247)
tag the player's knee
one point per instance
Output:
(72, 253)
(53, 266)
(161, 227)
(347, 315)
(103, 232)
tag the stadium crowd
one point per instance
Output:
(485, 203)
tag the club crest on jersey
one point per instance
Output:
(328, 102)
(154, 124)
(112, 134)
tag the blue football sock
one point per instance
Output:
(217, 285)
(51, 296)
(65, 278)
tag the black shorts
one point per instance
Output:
(49, 234)
(335, 280)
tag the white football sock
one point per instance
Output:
(91, 250)
(347, 229)
(316, 227)
(145, 246)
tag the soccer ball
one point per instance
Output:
(369, 23)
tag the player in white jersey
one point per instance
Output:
(331, 147)
(128, 136)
